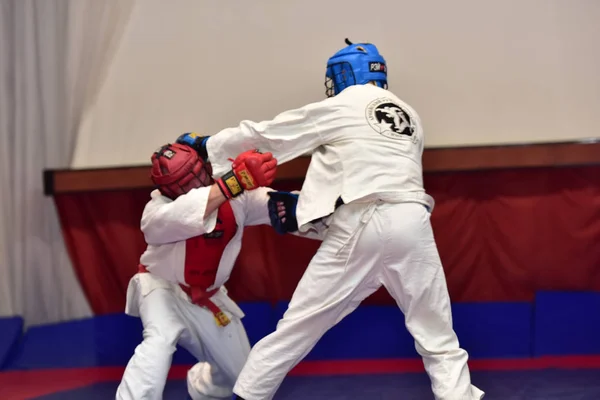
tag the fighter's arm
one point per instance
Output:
(282, 214)
(265, 206)
(194, 213)
(189, 215)
(288, 136)
(256, 207)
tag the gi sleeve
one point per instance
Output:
(167, 221)
(316, 231)
(255, 206)
(288, 136)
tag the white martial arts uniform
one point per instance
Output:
(173, 231)
(367, 146)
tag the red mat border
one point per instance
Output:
(22, 385)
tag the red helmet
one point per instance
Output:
(177, 169)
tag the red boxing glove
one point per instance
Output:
(250, 170)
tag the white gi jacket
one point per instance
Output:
(167, 224)
(366, 142)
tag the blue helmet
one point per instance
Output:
(355, 64)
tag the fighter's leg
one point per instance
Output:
(225, 350)
(414, 276)
(338, 278)
(146, 373)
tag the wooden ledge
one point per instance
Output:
(434, 160)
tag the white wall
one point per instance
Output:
(478, 72)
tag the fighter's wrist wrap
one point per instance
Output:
(230, 185)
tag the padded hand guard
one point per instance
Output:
(250, 170)
(290, 201)
(196, 142)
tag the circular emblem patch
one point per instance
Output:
(389, 119)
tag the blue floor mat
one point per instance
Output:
(517, 385)
(102, 391)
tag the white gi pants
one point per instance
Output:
(367, 245)
(168, 320)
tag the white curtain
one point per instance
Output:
(53, 58)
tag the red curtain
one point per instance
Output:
(502, 235)
(104, 241)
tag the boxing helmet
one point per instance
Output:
(177, 169)
(356, 64)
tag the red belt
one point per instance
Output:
(201, 298)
